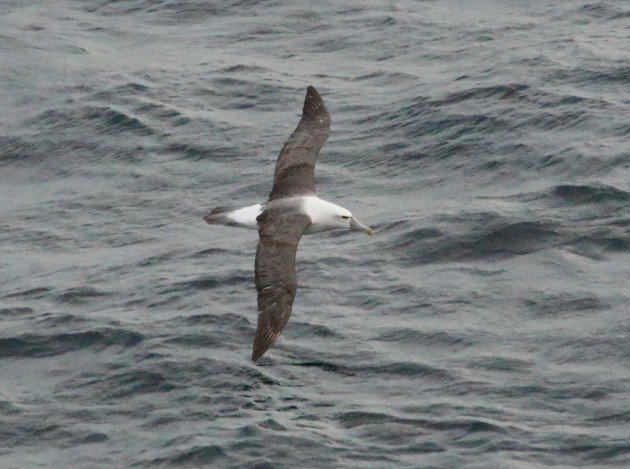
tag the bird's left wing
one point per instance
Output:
(295, 168)
(276, 280)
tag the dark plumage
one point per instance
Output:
(295, 168)
(281, 230)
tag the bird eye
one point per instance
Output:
(345, 217)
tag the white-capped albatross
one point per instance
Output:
(293, 209)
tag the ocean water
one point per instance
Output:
(486, 325)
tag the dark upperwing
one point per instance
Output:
(295, 168)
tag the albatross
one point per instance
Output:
(293, 209)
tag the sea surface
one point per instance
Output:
(486, 325)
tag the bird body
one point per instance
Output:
(323, 215)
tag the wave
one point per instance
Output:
(102, 119)
(414, 337)
(80, 295)
(400, 369)
(210, 454)
(490, 242)
(563, 304)
(585, 194)
(37, 346)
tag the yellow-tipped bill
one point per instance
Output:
(356, 225)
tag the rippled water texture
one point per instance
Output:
(486, 325)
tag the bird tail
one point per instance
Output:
(246, 217)
(218, 216)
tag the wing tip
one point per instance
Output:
(260, 350)
(313, 102)
(263, 342)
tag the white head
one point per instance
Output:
(326, 216)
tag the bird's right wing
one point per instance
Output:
(276, 280)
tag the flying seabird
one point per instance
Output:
(293, 209)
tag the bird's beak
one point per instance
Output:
(356, 225)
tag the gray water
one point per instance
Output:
(487, 323)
